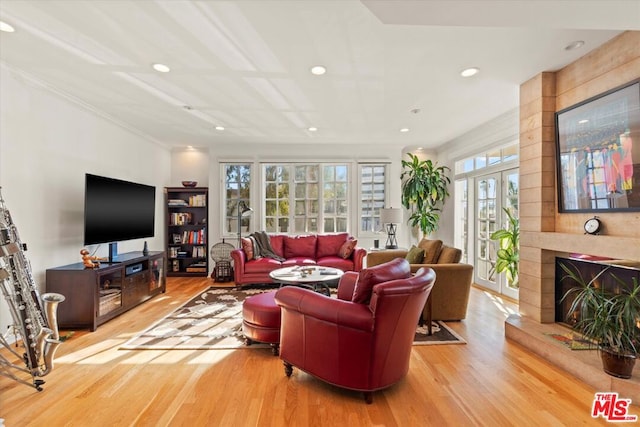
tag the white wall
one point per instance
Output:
(47, 144)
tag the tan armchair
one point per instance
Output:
(450, 294)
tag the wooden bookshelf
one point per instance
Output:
(187, 221)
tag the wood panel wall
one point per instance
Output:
(544, 231)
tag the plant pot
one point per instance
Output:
(620, 366)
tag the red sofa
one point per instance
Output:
(320, 249)
(364, 346)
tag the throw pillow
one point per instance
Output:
(398, 268)
(449, 255)
(431, 250)
(347, 248)
(415, 255)
(247, 247)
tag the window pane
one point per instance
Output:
(494, 157)
(372, 194)
(481, 162)
(315, 197)
(510, 153)
(237, 179)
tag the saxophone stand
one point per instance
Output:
(35, 325)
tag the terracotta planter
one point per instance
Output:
(616, 365)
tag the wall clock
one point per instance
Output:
(592, 225)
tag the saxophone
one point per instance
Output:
(35, 329)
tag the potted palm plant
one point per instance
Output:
(508, 256)
(424, 190)
(607, 318)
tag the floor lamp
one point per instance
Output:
(390, 217)
(243, 211)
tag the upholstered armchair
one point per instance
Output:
(362, 339)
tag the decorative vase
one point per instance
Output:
(620, 366)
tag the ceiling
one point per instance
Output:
(245, 65)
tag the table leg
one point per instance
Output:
(429, 331)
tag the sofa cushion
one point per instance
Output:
(277, 244)
(329, 244)
(369, 277)
(415, 255)
(300, 246)
(247, 247)
(336, 262)
(347, 248)
(262, 265)
(431, 250)
(449, 255)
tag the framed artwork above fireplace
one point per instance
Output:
(598, 152)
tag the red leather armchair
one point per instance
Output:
(358, 346)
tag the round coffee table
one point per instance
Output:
(311, 277)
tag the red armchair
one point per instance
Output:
(359, 346)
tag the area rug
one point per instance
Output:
(213, 320)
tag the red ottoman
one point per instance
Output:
(261, 320)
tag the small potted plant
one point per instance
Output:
(508, 256)
(607, 318)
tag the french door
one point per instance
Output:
(493, 192)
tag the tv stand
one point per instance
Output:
(97, 295)
(113, 253)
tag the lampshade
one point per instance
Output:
(390, 216)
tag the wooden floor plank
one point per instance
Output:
(489, 381)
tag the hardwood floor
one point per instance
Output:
(488, 381)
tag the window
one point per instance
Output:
(237, 184)
(373, 178)
(490, 158)
(318, 194)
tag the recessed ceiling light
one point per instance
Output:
(414, 111)
(6, 27)
(468, 72)
(161, 68)
(318, 70)
(312, 129)
(583, 121)
(404, 130)
(574, 45)
(219, 127)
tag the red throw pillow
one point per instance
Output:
(347, 248)
(399, 268)
(247, 247)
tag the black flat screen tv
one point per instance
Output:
(116, 210)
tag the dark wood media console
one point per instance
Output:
(95, 296)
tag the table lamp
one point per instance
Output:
(391, 217)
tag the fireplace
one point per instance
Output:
(590, 268)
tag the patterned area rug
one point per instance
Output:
(213, 320)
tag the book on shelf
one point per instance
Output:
(180, 218)
(177, 202)
(198, 200)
